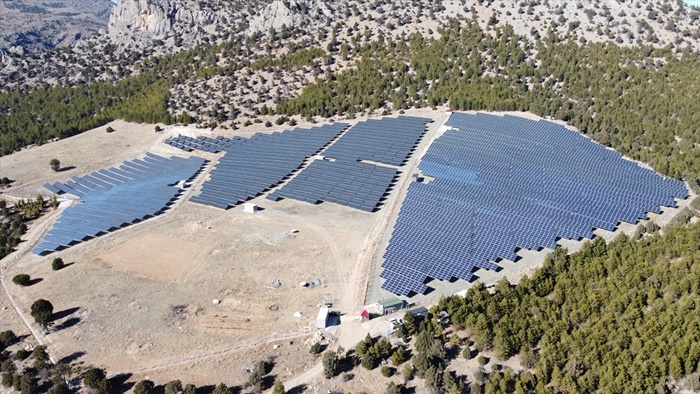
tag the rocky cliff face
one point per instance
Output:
(290, 13)
(185, 21)
(154, 18)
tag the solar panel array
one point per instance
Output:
(261, 162)
(117, 197)
(213, 145)
(350, 183)
(504, 183)
(347, 181)
(386, 140)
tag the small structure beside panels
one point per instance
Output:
(117, 197)
(501, 183)
(343, 177)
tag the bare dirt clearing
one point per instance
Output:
(141, 299)
(155, 256)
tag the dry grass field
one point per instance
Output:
(79, 155)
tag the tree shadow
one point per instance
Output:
(452, 352)
(67, 324)
(345, 365)
(409, 352)
(120, 384)
(20, 338)
(268, 381)
(66, 168)
(297, 389)
(34, 281)
(71, 357)
(208, 389)
(44, 386)
(205, 389)
(64, 313)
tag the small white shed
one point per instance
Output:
(322, 319)
(250, 208)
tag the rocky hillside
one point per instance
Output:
(245, 44)
(176, 23)
(183, 23)
(28, 25)
(626, 22)
(232, 64)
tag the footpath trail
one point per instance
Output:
(214, 353)
(306, 377)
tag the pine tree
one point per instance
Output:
(278, 388)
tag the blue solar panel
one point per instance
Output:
(130, 198)
(254, 165)
(206, 144)
(52, 188)
(351, 183)
(347, 181)
(386, 140)
(504, 183)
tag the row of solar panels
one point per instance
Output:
(260, 163)
(350, 183)
(117, 197)
(558, 153)
(255, 165)
(347, 181)
(99, 181)
(213, 145)
(503, 183)
(386, 140)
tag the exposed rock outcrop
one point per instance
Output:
(138, 20)
(189, 21)
(289, 13)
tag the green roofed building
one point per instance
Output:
(390, 305)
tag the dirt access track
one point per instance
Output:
(140, 300)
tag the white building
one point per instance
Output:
(322, 319)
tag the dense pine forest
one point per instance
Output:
(618, 318)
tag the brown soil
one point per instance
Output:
(155, 256)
